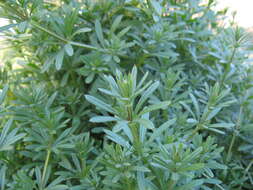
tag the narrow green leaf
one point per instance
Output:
(156, 5)
(191, 185)
(102, 119)
(38, 175)
(51, 99)
(82, 30)
(216, 130)
(58, 187)
(192, 167)
(213, 113)
(12, 138)
(127, 131)
(154, 107)
(108, 92)
(7, 27)
(22, 26)
(99, 32)
(142, 80)
(116, 138)
(196, 105)
(116, 23)
(59, 59)
(222, 125)
(161, 129)
(187, 108)
(5, 131)
(215, 165)
(89, 78)
(99, 103)
(192, 121)
(2, 176)
(123, 32)
(141, 181)
(227, 103)
(209, 171)
(3, 94)
(69, 49)
(213, 181)
(145, 123)
(141, 169)
(142, 133)
(146, 94)
(64, 79)
(193, 155)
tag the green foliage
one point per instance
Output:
(124, 95)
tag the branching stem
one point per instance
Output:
(45, 166)
(64, 39)
(238, 123)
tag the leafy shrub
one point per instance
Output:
(124, 94)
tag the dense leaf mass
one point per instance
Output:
(124, 95)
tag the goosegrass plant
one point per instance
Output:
(123, 95)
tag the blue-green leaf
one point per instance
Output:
(156, 5)
(154, 107)
(99, 32)
(3, 94)
(7, 27)
(59, 59)
(116, 138)
(146, 94)
(69, 49)
(145, 123)
(99, 103)
(161, 129)
(116, 23)
(102, 119)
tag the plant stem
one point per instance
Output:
(228, 65)
(246, 171)
(66, 40)
(129, 186)
(199, 125)
(136, 141)
(193, 133)
(45, 166)
(233, 55)
(172, 183)
(128, 183)
(234, 136)
(248, 167)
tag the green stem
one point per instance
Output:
(128, 183)
(129, 186)
(193, 133)
(246, 171)
(136, 140)
(232, 56)
(248, 167)
(227, 66)
(229, 154)
(172, 183)
(199, 125)
(230, 148)
(66, 40)
(49, 32)
(45, 166)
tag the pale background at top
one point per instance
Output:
(244, 10)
